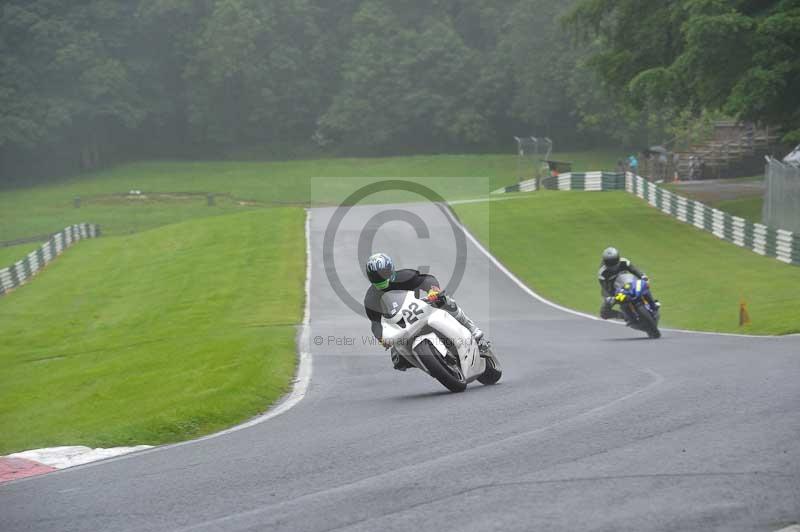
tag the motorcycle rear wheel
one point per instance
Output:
(451, 377)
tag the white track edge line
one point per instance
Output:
(538, 297)
(522, 195)
(299, 387)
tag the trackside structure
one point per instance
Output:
(782, 199)
(759, 238)
(21, 271)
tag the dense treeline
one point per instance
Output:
(676, 62)
(88, 82)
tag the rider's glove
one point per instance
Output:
(645, 277)
(436, 297)
(385, 344)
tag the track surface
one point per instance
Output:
(591, 428)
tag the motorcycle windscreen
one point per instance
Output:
(623, 279)
(392, 303)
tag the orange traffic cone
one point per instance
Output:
(744, 316)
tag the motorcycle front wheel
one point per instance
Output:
(648, 321)
(450, 375)
(492, 373)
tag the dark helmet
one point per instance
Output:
(611, 258)
(380, 270)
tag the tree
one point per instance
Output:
(542, 65)
(90, 82)
(168, 34)
(253, 76)
(411, 77)
(664, 59)
(66, 76)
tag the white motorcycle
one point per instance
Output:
(435, 342)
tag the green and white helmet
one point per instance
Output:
(380, 270)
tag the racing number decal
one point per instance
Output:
(411, 315)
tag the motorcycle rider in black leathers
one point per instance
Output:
(383, 276)
(611, 266)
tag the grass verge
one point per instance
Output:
(552, 241)
(747, 208)
(155, 337)
(11, 254)
(736, 196)
(175, 190)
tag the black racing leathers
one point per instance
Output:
(606, 278)
(409, 280)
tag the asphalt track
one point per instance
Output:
(591, 428)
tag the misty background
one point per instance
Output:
(87, 83)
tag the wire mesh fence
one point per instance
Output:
(532, 152)
(782, 196)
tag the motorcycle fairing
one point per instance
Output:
(412, 316)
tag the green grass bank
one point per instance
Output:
(747, 208)
(175, 191)
(155, 337)
(11, 254)
(553, 240)
(736, 196)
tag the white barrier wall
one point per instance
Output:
(22, 270)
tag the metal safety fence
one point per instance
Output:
(21, 271)
(571, 181)
(782, 197)
(532, 154)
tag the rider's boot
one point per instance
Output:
(484, 345)
(607, 312)
(452, 307)
(399, 362)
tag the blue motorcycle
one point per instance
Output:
(636, 303)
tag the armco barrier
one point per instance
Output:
(570, 181)
(21, 271)
(783, 245)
